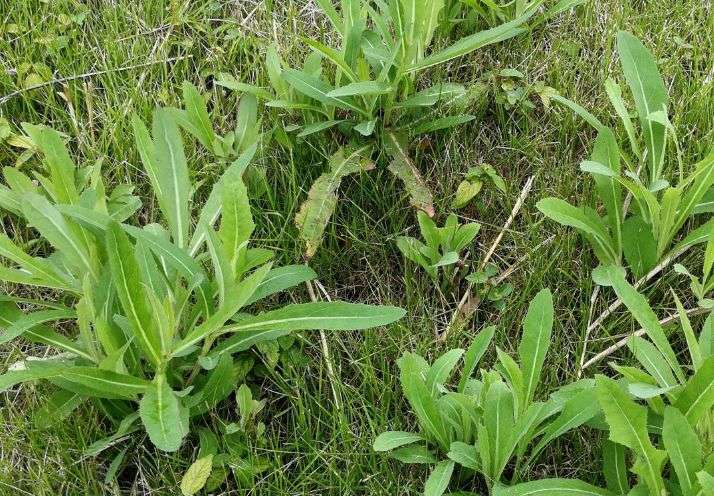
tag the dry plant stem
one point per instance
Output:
(323, 342)
(612, 349)
(516, 208)
(616, 304)
(52, 82)
(593, 298)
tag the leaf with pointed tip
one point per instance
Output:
(552, 487)
(402, 166)
(163, 416)
(390, 440)
(537, 329)
(439, 478)
(684, 449)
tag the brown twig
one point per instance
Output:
(641, 332)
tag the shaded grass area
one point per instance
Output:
(142, 51)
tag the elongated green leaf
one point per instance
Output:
(552, 487)
(614, 467)
(390, 440)
(684, 449)
(697, 397)
(442, 368)
(474, 353)
(640, 309)
(335, 57)
(245, 340)
(57, 408)
(319, 90)
(439, 478)
(174, 194)
(628, 426)
(337, 315)
(639, 246)
(402, 166)
(650, 95)
(40, 268)
(464, 454)
(59, 164)
(105, 383)
(361, 88)
(584, 220)
(653, 361)
(163, 416)
(317, 127)
(280, 279)
(126, 276)
(316, 211)
(472, 42)
(537, 330)
(34, 319)
(221, 382)
(431, 96)
(126, 427)
(614, 93)
(440, 123)
(196, 476)
(197, 114)
(66, 238)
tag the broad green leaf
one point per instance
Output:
(418, 454)
(584, 220)
(615, 467)
(172, 173)
(402, 166)
(537, 329)
(337, 315)
(131, 292)
(361, 88)
(439, 478)
(473, 42)
(628, 426)
(440, 123)
(499, 419)
(431, 96)
(643, 313)
(639, 246)
(246, 123)
(474, 353)
(163, 416)
(366, 128)
(684, 449)
(551, 487)
(104, 383)
(317, 89)
(464, 454)
(697, 397)
(219, 385)
(196, 476)
(59, 164)
(442, 369)
(390, 440)
(200, 122)
(650, 95)
(66, 238)
(40, 268)
(316, 211)
(228, 81)
(317, 127)
(245, 340)
(280, 279)
(28, 321)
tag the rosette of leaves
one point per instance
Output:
(480, 424)
(473, 182)
(370, 93)
(659, 414)
(158, 321)
(644, 212)
(439, 254)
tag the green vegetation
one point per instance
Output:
(179, 173)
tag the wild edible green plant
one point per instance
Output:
(480, 425)
(442, 246)
(372, 95)
(660, 416)
(643, 233)
(473, 183)
(160, 318)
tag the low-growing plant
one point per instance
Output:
(441, 249)
(372, 97)
(473, 183)
(480, 425)
(158, 322)
(642, 225)
(660, 415)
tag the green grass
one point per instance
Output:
(313, 447)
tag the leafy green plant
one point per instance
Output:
(481, 424)
(159, 321)
(643, 233)
(473, 182)
(371, 97)
(441, 248)
(660, 415)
